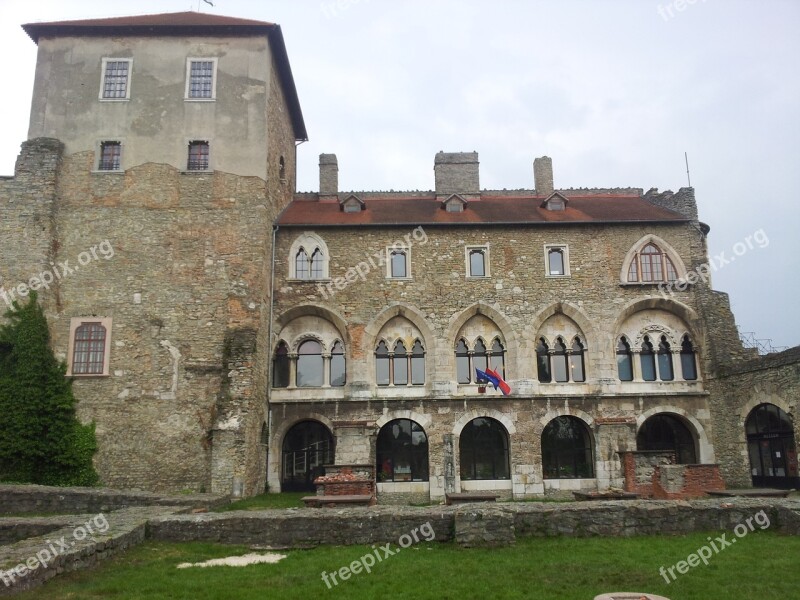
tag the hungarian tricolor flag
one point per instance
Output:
(495, 379)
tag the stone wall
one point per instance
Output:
(41, 499)
(773, 379)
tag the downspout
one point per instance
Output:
(269, 346)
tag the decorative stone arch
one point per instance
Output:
(568, 412)
(309, 241)
(469, 416)
(748, 407)
(677, 262)
(281, 431)
(312, 310)
(569, 310)
(424, 421)
(510, 338)
(654, 332)
(294, 345)
(399, 309)
(705, 451)
(684, 312)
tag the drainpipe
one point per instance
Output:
(269, 347)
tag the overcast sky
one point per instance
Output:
(614, 91)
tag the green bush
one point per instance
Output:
(41, 439)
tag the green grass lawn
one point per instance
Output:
(761, 565)
(282, 500)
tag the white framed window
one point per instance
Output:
(201, 79)
(477, 261)
(398, 262)
(109, 155)
(115, 82)
(556, 260)
(89, 346)
(309, 258)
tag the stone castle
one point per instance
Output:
(230, 335)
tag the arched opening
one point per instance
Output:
(663, 432)
(567, 449)
(484, 450)
(307, 448)
(772, 449)
(402, 452)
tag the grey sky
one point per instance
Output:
(615, 92)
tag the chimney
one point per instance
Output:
(328, 176)
(543, 175)
(456, 173)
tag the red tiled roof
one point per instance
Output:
(169, 20)
(396, 209)
(185, 23)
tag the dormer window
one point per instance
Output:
(555, 202)
(353, 204)
(455, 203)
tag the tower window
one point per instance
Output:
(198, 156)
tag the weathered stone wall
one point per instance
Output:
(773, 379)
(39, 499)
(438, 300)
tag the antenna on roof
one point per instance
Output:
(688, 178)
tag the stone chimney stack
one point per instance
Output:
(543, 175)
(456, 173)
(328, 176)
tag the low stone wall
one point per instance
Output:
(85, 541)
(13, 530)
(27, 499)
(474, 524)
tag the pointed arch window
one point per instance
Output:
(302, 264)
(543, 361)
(417, 364)
(624, 360)
(382, 364)
(688, 361)
(462, 362)
(337, 366)
(665, 371)
(480, 358)
(576, 367)
(317, 264)
(497, 357)
(281, 366)
(558, 361)
(400, 364)
(651, 265)
(648, 360)
(309, 364)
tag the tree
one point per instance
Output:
(41, 439)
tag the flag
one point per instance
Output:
(494, 378)
(498, 381)
(209, 2)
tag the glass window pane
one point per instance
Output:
(559, 362)
(398, 264)
(648, 361)
(317, 264)
(301, 265)
(477, 265)
(556, 262)
(665, 360)
(417, 364)
(462, 363)
(400, 364)
(280, 367)
(337, 374)
(382, 364)
(309, 364)
(543, 362)
(402, 452)
(576, 364)
(688, 362)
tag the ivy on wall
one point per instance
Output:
(41, 439)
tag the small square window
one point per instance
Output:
(201, 81)
(556, 259)
(110, 156)
(115, 84)
(198, 156)
(89, 346)
(477, 261)
(397, 263)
